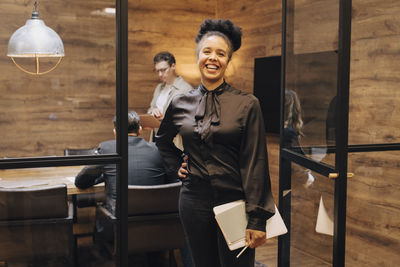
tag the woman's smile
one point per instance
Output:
(213, 61)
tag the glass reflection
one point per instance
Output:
(71, 106)
(293, 122)
(373, 189)
(41, 217)
(311, 72)
(312, 199)
(312, 77)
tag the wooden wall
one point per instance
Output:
(373, 207)
(373, 233)
(71, 106)
(156, 26)
(375, 57)
(262, 32)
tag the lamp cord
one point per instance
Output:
(35, 5)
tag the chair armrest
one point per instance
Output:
(42, 221)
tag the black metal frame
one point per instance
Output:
(287, 156)
(122, 131)
(342, 118)
(284, 164)
(121, 157)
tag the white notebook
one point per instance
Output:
(232, 219)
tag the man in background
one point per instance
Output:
(145, 168)
(171, 84)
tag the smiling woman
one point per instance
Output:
(225, 152)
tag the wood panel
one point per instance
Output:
(305, 200)
(156, 26)
(313, 77)
(375, 57)
(273, 161)
(373, 210)
(373, 235)
(71, 106)
(261, 26)
(322, 17)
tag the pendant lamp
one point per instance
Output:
(35, 40)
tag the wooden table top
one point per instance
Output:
(20, 178)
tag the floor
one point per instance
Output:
(88, 256)
(91, 256)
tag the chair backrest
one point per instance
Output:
(76, 151)
(150, 199)
(33, 203)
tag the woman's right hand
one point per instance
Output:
(182, 172)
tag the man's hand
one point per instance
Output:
(158, 114)
(255, 238)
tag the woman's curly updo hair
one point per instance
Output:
(226, 29)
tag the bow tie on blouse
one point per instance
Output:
(208, 111)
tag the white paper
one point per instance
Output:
(324, 223)
(236, 223)
(275, 225)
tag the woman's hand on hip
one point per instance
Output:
(182, 172)
(255, 238)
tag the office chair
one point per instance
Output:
(153, 218)
(36, 226)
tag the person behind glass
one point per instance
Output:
(171, 84)
(293, 123)
(145, 168)
(225, 152)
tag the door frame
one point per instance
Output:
(341, 149)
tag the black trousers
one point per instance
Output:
(206, 241)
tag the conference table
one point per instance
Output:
(35, 177)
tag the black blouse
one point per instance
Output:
(223, 135)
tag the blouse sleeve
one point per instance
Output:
(172, 156)
(254, 169)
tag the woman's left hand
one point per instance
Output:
(255, 238)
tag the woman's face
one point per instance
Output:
(212, 60)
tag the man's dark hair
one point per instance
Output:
(164, 56)
(133, 122)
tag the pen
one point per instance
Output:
(241, 252)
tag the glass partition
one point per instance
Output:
(374, 95)
(67, 111)
(42, 213)
(311, 77)
(72, 106)
(312, 205)
(373, 240)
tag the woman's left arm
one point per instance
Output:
(254, 169)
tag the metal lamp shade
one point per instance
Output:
(35, 39)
